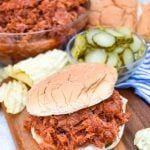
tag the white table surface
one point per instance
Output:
(6, 141)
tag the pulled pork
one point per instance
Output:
(34, 15)
(97, 125)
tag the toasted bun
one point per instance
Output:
(39, 140)
(76, 87)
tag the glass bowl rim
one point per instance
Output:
(68, 50)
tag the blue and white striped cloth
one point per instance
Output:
(140, 80)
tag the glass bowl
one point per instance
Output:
(17, 46)
(124, 72)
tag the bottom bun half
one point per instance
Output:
(39, 139)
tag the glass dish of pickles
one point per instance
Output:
(119, 47)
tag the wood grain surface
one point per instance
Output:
(140, 119)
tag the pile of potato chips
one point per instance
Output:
(23, 75)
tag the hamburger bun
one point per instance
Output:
(39, 139)
(76, 87)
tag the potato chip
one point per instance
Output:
(35, 69)
(21, 76)
(142, 139)
(3, 74)
(4, 89)
(14, 95)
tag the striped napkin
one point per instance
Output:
(140, 79)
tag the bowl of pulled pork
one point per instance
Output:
(29, 27)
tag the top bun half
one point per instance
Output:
(76, 87)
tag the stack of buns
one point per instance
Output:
(115, 13)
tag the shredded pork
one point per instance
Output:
(97, 125)
(34, 15)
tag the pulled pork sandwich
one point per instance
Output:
(77, 108)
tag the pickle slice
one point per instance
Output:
(90, 34)
(80, 42)
(119, 50)
(137, 43)
(128, 57)
(98, 56)
(114, 33)
(125, 31)
(104, 39)
(79, 48)
(112, 59)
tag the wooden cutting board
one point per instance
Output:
(140, 119)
